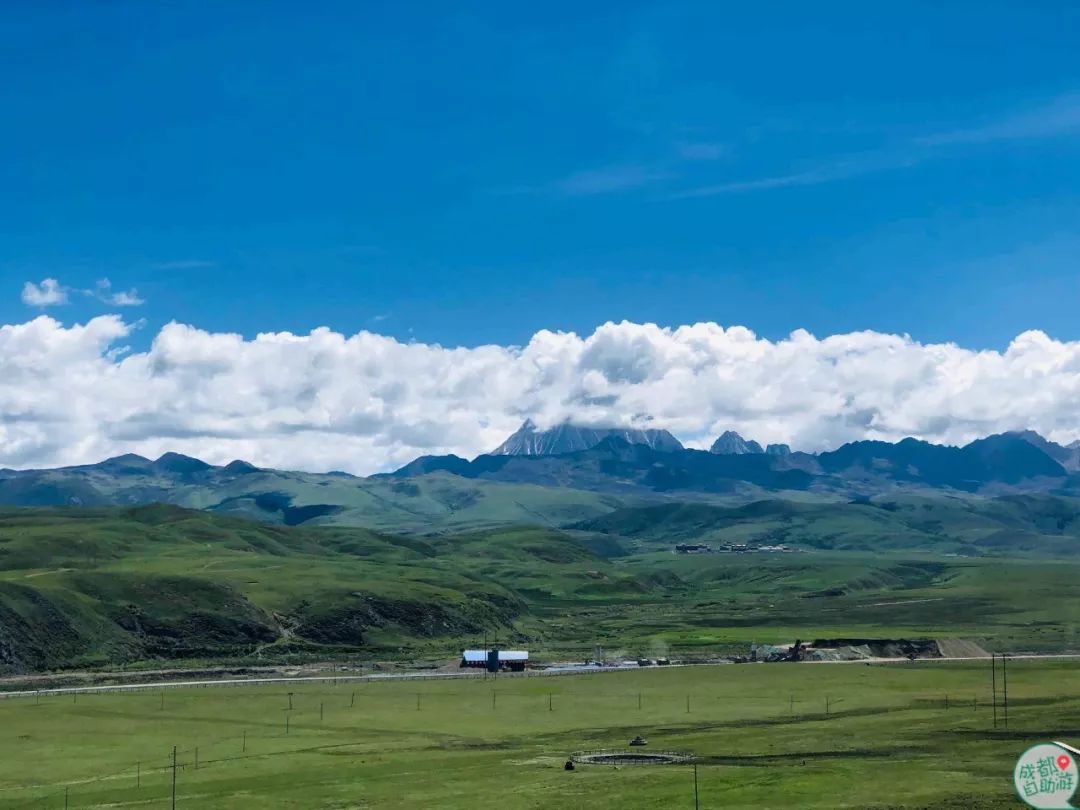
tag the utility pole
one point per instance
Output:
(993, 684)
(696, 805)
(138, 774)
(174, 777)
(1005, 687)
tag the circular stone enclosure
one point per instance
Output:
(630, 757)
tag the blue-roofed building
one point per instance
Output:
(508, 660)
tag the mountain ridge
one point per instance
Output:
(862, 467)
(436, 493)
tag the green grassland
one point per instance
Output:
(159, 584)
(725, 602)
(1013, 525)
(760, 732)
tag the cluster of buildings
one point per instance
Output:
(693, 548)
(730, 548)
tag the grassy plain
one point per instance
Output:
(761, 733)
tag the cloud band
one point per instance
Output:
(367, 402)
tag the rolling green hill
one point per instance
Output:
(433, 503)
(92, 587)
(89, 587)
(151, 584)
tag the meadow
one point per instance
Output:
(911, 735)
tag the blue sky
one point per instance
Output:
(475, 175)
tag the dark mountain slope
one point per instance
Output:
(1005, 458)
(997, 462)
(1067, 457)
(732, 444)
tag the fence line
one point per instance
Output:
(60, 789)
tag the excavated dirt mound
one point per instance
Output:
(855, 648)
(960, 648)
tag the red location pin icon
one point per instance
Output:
(1063, 761)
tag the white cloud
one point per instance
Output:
(367, 402)
(51, 292)
(46, 294)
(119, 298)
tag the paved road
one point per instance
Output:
(403, 676)
(397, 676)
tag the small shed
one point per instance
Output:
(513, 660)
